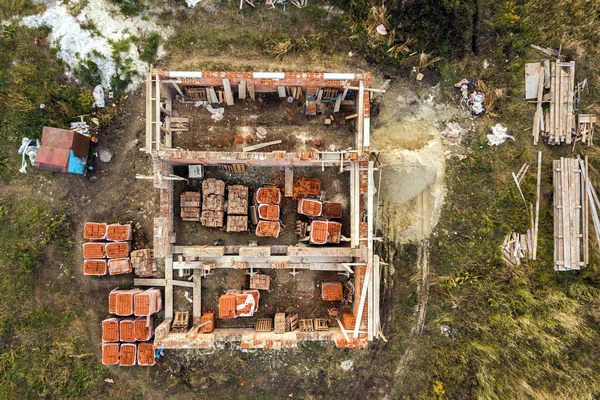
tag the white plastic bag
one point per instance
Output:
(98, 94)
(498, 135)
(28, 148)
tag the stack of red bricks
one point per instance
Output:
(213, 203)
(237, 208)
(127, 341)
(107, 250)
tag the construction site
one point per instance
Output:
(264, 243)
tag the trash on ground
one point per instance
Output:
(98, 94)
(381, 29)
(105, 156)
(217, 114)
(28, 148)
(452, 130)
(498, 135)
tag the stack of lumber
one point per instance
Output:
(213, 203)
(189, 203)
(551, 83)
(585, 128)
(515, 247)
(570, 215)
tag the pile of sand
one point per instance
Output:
(412, 154)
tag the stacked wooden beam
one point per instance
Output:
(213, 203)
(570, 215)
(552, 83)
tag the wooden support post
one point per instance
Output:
(361, 117)
(250, 87)
(281, 92)
(178, 90)
(537, 205)
(212, 95)
(169, 288)
(157, 104)
(197, 296)
(228, 92)
(343, 330)
(149, 130)
(242, 89)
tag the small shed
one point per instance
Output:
(63, 150)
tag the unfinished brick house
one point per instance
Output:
(294, 136)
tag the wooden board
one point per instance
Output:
(242, 89)
(289, 181)
(228, 92)
(532, 73)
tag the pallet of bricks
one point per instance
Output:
(127, 341)
(107, 250)
(189, 203)
(213, 203)
(237, 208)
(269, 199)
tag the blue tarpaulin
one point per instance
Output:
(76, 164)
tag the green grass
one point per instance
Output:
(43, 340)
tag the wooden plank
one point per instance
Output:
(149, 282)
(361, 117)
(533, 71)
(197, 296)
(157, 120)
(538, 111)
(586, 214)
(537, 206)
(289, 182)
(565, 174)
(281, 91)
(551, 131)
(169, 288)
(212, 95)
(178, 90)
(578, 222)
(260, 146)
(338, 103)
(149, 111)
(361, 303)
(370, 252)
(353, 237)
(343, 330)
(228, 92)
(242, 89)
(250, 87)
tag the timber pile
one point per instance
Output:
(515, 247)
(585, 128)
(552, 83)
(213, 203)
(189, 203)
(570, 214)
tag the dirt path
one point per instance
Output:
(422, 297)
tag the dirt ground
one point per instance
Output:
(282, 121)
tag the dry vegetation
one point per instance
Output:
(517, 333)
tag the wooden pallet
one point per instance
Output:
(280, 325)
(196, 93)
(306, 325)
(260, 281)
(321, 324)
(178, 124)
(233, 167)
(264, 325)
(291, 322)
(180, 322)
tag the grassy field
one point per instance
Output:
(518, 332)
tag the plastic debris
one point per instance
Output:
(477, 99)
(80, 127)
(28, 148)
(261, 132)
(452, 130)
(346, 365)
(498, 135)
(217, 114)
(381, 29)
(105, 156)
(98, 94)
(42, 106)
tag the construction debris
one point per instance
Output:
(143, 263)
(552, 83)
(515, 247)
(585, 128)
(498, 135)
